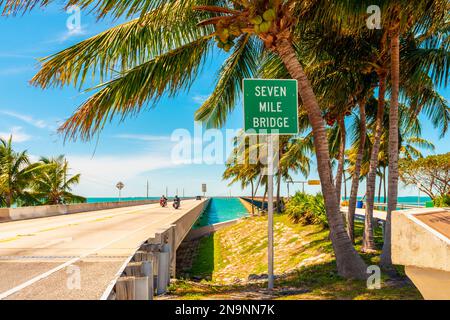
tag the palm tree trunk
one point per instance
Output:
(253, 197)
(341, 158)
(384, 185)
(8, 200)
(257, 185)
(356, 173)
(263, 205)
(349, 263)
(278, 191)
(379, 187)
(345, 185)
(368, 241)
(385, 258)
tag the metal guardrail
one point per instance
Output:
(400, 205)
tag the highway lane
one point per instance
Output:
(40, 258)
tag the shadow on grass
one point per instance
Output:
(319, 281)
(203, 264)
(316, 281)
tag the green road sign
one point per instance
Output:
(270, 106)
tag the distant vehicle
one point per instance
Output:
(198, 198)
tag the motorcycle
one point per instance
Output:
(176, 204)
(163, 203)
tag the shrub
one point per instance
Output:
(307, 209)
(443, 201)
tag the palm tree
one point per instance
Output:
(361, 147)
(15, 174)
(412, 17)
(162, 52)
(294, 157)
(409, 140)
(52, 185)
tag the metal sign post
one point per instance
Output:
(204, 189)
(270, 211)
(270, 108)
(120, 186)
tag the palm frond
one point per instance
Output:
(144, 84)
(122, 47)
(241, 64)
(101, 8)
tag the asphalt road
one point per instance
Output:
(75, 256)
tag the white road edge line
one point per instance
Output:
(112, 283)
(72, 261)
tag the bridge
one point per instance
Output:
(86, 255)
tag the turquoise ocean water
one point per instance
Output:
(225, 209)
(220, 210)
(405, 200)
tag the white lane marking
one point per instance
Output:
(68, 223)
(112, 283)
(44, 221)
(72, 261)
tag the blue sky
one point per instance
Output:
(133, 151)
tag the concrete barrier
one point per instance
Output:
(23, 213)
(421, 242)
(162, 249)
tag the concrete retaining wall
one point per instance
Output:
(166, 240)
(175, 233)
(424, 249)
(23, 213)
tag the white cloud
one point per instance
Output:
(71, 33)
(142, 137)
(200, 98)
(17, 133)
(100, 173)
(26, 118)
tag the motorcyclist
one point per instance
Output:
(176, 202)
(163, 201)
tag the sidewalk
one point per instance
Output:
(377, 214)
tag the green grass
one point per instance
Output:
(203, 264)
(231, 254)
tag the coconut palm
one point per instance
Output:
(409, 140)
(52, 184)
(399, 20)
(243, 164)
(292, 151)
(294, 158)
(15, 174)
(162, 51)
(408, 18)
